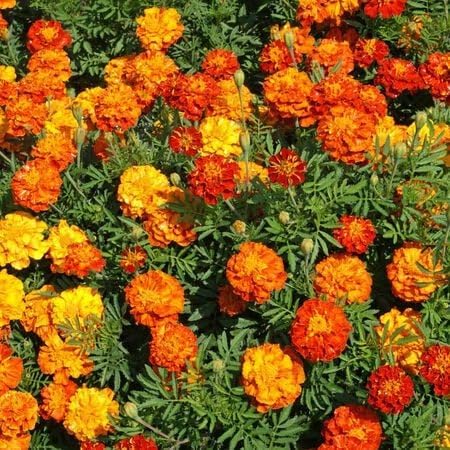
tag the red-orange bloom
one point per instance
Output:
(220, 64)
(390, 389)
(132, 259)
(436, 368)
(287, 168)
(3, 27)
(352, 427)
(82, 259)
(55, 398)
(255, 271)
(44, 34)
(52, 62)
(275, 57)
(230, 303)
(384, 8)
(213, 178)
(87, 445)
(435, 72)
(320, 330)
(138, 442)
(368, 51)
(36, 185)
(11, 369)
(40, 86)
(57, 149)
(333, 56)
(355, 234)
(185, 140)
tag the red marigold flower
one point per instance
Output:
(138, 442)
(47, 34)
(436, 368)
(355, 234)
(320, 330)
(390, 388)
(186, 140)
(333, 56)
(87, 445)
(286, 168)
(132, 259)
(384, 8)
(343, 33)
(220, 64)
(82, 259)
(352, 427)
(435, 72)
(275, 57)
(213, 177)
(230, 303)
(3, 27)
(368, 51)
(11, 369)
(396, 75)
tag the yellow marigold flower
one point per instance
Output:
(114, 70)
(142, 190)
(21, 442)
(254, 171)
(60, 119)
(387, 129)
(7, 73)
(220, 136)
(86, 101)
(11, 298)
(443, 437)
(429, 133)
(88, 413)
(159, 28)
(5, 4)
(21, 238)
(405, 325)
(272, 376)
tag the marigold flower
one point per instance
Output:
(172, 346)
(55, 398)
(89, 411)
(154, 295)
(435, 368)
(387, 129)
(435, 72)
(255, 271)
(57, 149)
(400, 326)
(3, 28)
(220, 64)
(271, 376)
(213, 178)
(52, 62)
(159, 28)
(8, 73)
(142, 190)
(230, 303)
(132, 259)
(249, 171)
(88, 445)
(343, 276)
(11, 298)
(21, 442)
(319, 11)
(40, 86)
(355, 234)
(332, 56)
(138, 442)
(47, 34)
(220, 136)
(368, 51)
(62, 236)
(342, 33)
(24, 115)
(286, 168)
(390, 389)
(82, 259)
(413, 274)
(286, 92)
(274, 57)
(384, 8)
(11, 369)
(352, 427)
(5, 4)
(185, 140)
(86, 102)
(18, 413)
(61, 119)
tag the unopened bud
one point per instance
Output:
(307, 246)
(421, 120)
(400, 150)
(374, 179)
(137, 232)
(80, 136)
(218, 365)
(244, 140)
(284, 217)
(175, 179)
(239, 227)
(131, 410)
(78, 114)
(239, 78)
(289, 39)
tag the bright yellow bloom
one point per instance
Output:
(60, 117)
(7, 73)
(220, 136)
(387, 128)
(11, 298)
(428, 134)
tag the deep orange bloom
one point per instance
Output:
(255, 271)
(230, 303)
(57, 149)
(343, 276)
(132, 259)
(47, 34)
(384, 8)
(172, 346)
(24, 115)
(333, 56)
(287, 168)
(41, 86)
(368, 51)
(436, 368)
(52, 62)
(138, 442)
(185, 140)
(390, 389)
(18, 413)
(82, 259)
(36, 185)
(21, 442)
(342, 33)
(3, 27)
(320, 330)
(355, 234)
(153, 296)
(88, 445)
(55, 398)
(435, 72)
(352, 427)
(5, 4)
(220, 64)
(11, 369)
(213, 178)
(274, 57)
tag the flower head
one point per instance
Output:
(18, 413)
(230, 303)
(55, 398)
(435, 72)
(185, 140)
(333, 56)
(355, 234)
(220, 64)
(220, 136)
(138, 442)
(47, 34)
(287, 168)
(57, 149)
(11, 298)
(11, 369)
(435, 368)
(132, 259)
(384, 8)
(368, 51)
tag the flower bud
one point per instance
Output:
(131, 410)
(307, 246)
(137, 232)
(289, 39)
(400, 150)
(175, 179)
(218, 365)
(239, 78)
(421, 120)
(78, 114)
(239, 227)
(244, 140)
(284, 217)
(80, 136)
(374, 179)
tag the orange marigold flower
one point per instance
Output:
(271, 376)
(220, 64)
(40, 86)
(5, 4)
(172, 346)
(61, 119)
(390, 389)
(397, 75)
(25, 116)
(88, 445)
(82, 259)
(342, 33)
(11, 298)
(159, 28)
(132, 259)
(274, 57)
(18, 413)
(396, 327)
(57, 149)
(21, 442)
(255, 271)
(153, 296)
(413, 274)
(47, 34)
(343, 276)
(355, 234)
(185, 140)
(55, 398)
(435, 368)
(11, 369)
(286, 92)
(384, 8)
(347, 134)
(138, 442)
(320, 330)
(352, 427)
(319, 11)
(230, 303)
(435, 72)
(4, 32)
(53, 62)
(286, 168)
(212, 178)
(333, 56)
(368, 51)
(36, 185)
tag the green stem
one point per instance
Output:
(72, 182)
